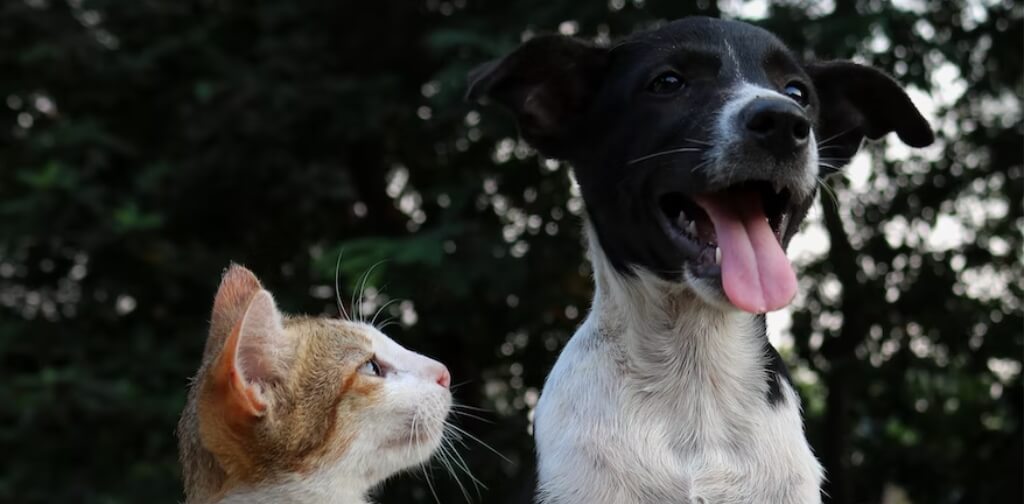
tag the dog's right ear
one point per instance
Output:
(549, 83)
(860, 102)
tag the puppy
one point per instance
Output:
(697, 147)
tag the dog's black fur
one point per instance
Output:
(599, 108)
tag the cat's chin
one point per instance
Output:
(418, 441)
(401, 454)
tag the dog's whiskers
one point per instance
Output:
(826, 188)
(825, 142)
(824, 148)
(829, 165)
(664, 153)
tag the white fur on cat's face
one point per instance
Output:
(403, 428)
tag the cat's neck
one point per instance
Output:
(309, 490)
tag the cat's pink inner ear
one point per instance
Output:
(254, 355)
(236, 291)
(262, 348)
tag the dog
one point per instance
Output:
(697, 147)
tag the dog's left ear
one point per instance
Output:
(548, 83)
(857, 102)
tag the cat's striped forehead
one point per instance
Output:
(341, 332)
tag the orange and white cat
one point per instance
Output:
(292, 409)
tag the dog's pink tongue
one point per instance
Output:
(756, 275)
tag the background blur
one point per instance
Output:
(145, 144)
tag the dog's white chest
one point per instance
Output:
(607, 432)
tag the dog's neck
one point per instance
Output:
(675, 342)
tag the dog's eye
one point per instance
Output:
(798, 92)
(372, 368)
(666, 83)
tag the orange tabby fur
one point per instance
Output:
(279, 398)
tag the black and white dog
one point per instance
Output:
(697, 147)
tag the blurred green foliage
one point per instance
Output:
(145, 144)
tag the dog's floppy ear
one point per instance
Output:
(859, 101)
(548, 83)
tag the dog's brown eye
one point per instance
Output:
(666, 83)
(798, 92)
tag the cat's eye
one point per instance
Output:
(372, 368)
(798, 92)
(666, 83)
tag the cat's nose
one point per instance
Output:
(444, 378)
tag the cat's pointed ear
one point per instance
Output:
(237, 288)
(254, 356)
(859, 101)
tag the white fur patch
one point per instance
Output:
(660, 397)
(722, 157)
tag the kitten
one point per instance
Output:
(302, 409)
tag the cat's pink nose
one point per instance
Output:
(444, 378)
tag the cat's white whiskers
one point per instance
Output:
(462, 432)
(461, 462)
(358, 309)
(380, 310)
(444, 457)
(456, 460)
(337, 290)
(468, 407)
(412, 430)
(430, 484)
(469, 415)
(457, 385)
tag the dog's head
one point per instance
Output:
(698, 145)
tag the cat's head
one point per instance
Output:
(281, 398)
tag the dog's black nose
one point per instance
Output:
(778, 126)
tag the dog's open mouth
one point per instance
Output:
(737, 236)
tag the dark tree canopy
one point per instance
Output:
(145, 144)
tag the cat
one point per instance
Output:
(295, 409)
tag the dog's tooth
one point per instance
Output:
(718, 255)
(691, 228)
(681, 220)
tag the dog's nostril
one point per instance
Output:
(801, 129)
(761, 122)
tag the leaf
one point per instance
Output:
(129, 218)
